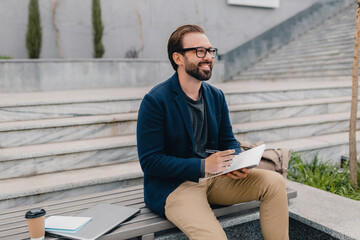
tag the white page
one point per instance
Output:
(249, 158)
(65, 223)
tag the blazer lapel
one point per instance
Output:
(181, 102)
(211, 117)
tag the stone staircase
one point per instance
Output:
(60, 144)
(324, 52)
(52, 142)
(68, 143)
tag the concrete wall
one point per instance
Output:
(142, 25)
(52, 74)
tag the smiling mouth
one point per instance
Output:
(205, 66)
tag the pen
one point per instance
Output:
(211, 151)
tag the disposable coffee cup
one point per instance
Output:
(36, 223)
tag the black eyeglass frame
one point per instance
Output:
(212, 54)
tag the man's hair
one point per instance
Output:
(175, 40)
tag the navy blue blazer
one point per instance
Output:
(165, 138)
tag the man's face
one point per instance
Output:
(199, 68)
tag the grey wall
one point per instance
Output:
(58, 74)
(132, 24)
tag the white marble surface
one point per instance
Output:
(287, 95)
(67, 110)
(276, 113)
(39, 159)
(280, 134)
(85, 131)
(292, 128)
(67, 129)
(42, 188)
(248, 112)
(65, 162)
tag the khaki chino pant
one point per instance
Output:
(188, 206)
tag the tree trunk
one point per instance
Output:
(354, 102)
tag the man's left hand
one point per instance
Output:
(239, 174)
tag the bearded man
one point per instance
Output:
(178, 120)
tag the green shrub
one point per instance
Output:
(98, 29)
(33, 35)
(5, 57)
(325, 176)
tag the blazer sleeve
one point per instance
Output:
(227, 139)
(150, 142)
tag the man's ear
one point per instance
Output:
(178, 58)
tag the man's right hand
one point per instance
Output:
(218, 162)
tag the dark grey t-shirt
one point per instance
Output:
(199, 122)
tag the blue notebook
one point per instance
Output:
(67, 224)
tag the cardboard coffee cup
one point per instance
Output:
(36, 224)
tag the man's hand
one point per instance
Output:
(238, 174)
(218, 162)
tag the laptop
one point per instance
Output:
(105, 217)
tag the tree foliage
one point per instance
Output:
(34, 33)
(98, 29)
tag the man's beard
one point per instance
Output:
(195, 71)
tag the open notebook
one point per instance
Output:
(247, 159)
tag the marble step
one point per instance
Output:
(272, 59)
(283, 64)
(316, 37)
(252, 112)
(348, 12)
(313, 55)
(55, 157)
(295, 75)
(342, 18)
(34, 189)
(293, 128)
(300, 49)
(309, 56)
(309, 67)
(295, 53)
(269, 63)
(327, 33)
(30, 132)
(342, 14)
(73, 103)
(300, 66)
(326, 36)
(55, 186)
(333, 27)
(80, 103)
(334, 32)
(240, 92)
(328, 148)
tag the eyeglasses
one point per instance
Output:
(201, 51)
